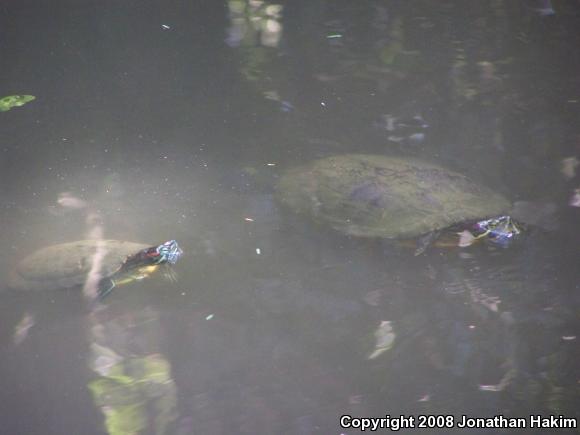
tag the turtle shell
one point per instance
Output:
(389, 197)
(66, 265)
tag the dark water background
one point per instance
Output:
(173, 120)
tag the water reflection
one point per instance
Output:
(164, 130)
(133, 385)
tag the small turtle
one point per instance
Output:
(68, 265)
(395, 198)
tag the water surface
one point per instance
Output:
(173, 120)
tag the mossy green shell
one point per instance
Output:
(67, 265)
(389, 197)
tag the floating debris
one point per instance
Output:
(165, 27)
(497, 387)
(285, 106)
(249, 219)
(479, 297)
(22, 328)
(503, 383)
(545, 8)
(385, 338)
(271, 95)
(568, 337)
(409, 130)
(425, 398)
(7, 103)
(209, 317)
(334, 36)
(258, 251)
(67, 200)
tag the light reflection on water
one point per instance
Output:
(271, 321)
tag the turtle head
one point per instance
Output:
(501, 230)
(168, 252)
(141, 265)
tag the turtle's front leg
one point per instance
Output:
(106, 286)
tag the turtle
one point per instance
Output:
(68, 265)
(388, 197)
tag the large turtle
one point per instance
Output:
(393, 197)
(68, 265)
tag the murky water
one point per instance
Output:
(174, 120)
